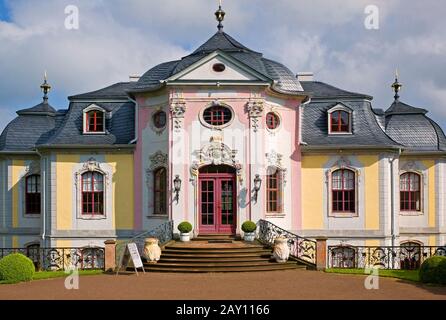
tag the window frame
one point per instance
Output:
(338, 109)
(154, 119)
(343, 214)
(27, 199)
(279, 121)
(155, 191)
(279, 190)
(86, 125)
(92, 193)
(420, 191)
(213, 126)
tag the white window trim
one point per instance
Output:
(282, 173)
(340, 107)
(157, 161)
(207, 125)
(32, 169)
(329, 174)
(93, 166)
(423, 188)
(280, 121)
(90, 108)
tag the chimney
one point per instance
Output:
(134, 78)
(305, 76)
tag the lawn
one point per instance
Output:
(58, 274)
(411, 275)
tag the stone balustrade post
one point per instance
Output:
(110, 255)
(321, 256)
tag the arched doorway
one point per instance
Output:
(217, 200)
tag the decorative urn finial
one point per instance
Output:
(396, 86)
(220, 15)
(45, 88)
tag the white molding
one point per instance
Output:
(93, 107)
(340, 107)
(92, 165)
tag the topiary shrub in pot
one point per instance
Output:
(185, 229)
(249, 228)
(16, 268)
(433, 270)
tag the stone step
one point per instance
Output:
(251, 268)
(216, 251)
(212, 259)
(216, 255)
(226, 264)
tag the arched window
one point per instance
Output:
(340, 122)
(95, 121)
(410, 195)
(343, 191)
(92, 193)
(160, 191)
(410, 255)
(274, 194)
(32, 194)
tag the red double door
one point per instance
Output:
(217, 203)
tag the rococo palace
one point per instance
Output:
(216, 138)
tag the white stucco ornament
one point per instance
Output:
(152, 251)
(281, 250)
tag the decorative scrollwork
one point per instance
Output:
(407, 256)
(255, 109)
(60, 259)
(300, 248)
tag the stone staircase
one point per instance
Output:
(216, 253)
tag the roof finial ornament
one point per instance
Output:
(396, 86)
(220, 14)
(45, 88)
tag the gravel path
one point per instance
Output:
(278, 285)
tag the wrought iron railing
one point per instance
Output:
(61, 259)
(409, 257)
(164, 233)
(301, 248)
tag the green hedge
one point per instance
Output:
(16, 268)
(185, 227)
(433, 270)
(249, 227)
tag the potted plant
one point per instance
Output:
(249, 228)
(185, 229)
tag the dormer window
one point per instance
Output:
(339, 120)
(94, 120)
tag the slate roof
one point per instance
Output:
(120, 126)
(285, 80)
(411, 127)
(366, 131)
(321, 90)
(116, 91)
(31, 127)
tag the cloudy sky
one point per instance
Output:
(117, 38)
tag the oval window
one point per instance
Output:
(272, 121)
(217, 115)
(219, 67)
(159, 119)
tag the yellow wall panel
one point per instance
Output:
(371, 194)
(430, 165)
(312, 191)
(372, 243)
(123, 209)
(17, 168)
(65, 190)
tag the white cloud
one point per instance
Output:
(122, 37)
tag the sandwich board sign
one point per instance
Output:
(132, 253)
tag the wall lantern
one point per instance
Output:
(257, 186)
(177, 187)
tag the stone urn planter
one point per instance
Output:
(281, 250)
(152, 251)
(249, 236)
